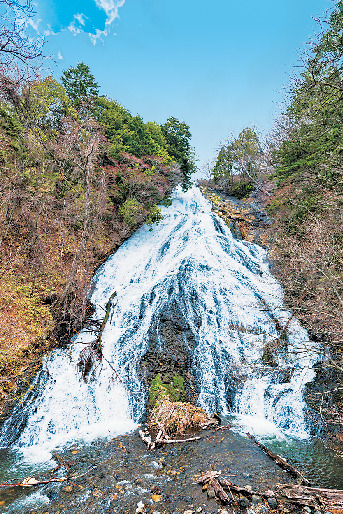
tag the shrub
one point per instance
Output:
(130, 210)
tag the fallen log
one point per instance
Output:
(281, 462)
(317, 497)
(206, 477)
(170, 441)
(32, 481)
(162, 439)
(92, 354)
(146, 438)
(242, 490)
(210, 478)
(220, 493)
(328, 500)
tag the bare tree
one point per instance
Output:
(17, 48)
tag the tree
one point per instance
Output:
(178, 136)
(223, 165)
(15, 45)
(80, 86)
(240, 157)
(315, 111)
(129, 134)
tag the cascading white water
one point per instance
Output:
(233, 308)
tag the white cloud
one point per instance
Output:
(76, 26)
(34, 24)
(73, 29)
(111, 8)
(59, 56)
(98, 35)
(49, 32)
(81, 18)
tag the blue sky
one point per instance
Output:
(219, 66)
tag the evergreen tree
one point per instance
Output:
(313, 143)
(178, 136)
(80, 85)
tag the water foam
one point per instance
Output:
(233, 308)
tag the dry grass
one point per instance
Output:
(177, 417)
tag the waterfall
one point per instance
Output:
(188, 272)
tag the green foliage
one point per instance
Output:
(177, 136)
(165, 390)
(80, 85)
(242, 189)
(313, 142)
(129, 134)
(167, 202)
(130, 210)
(300, 209)
(154, 215)
(240, 156)
(49, 103)
(223, 165)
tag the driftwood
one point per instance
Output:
(210, 478)
(206, 477)
(146, 438)
(162, 439)
(281, 462)
(170, 441)
(60, 461)
(220, 493)
(330, 500)
(242, 490)
(92, 353)
(32, 481)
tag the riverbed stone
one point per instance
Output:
(272, 503)
(256, 499)
(244, 502)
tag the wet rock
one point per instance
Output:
(256, 499)
(307, 509)
(170, 348)
(156, 490)
(244, 502)
(272, 503)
